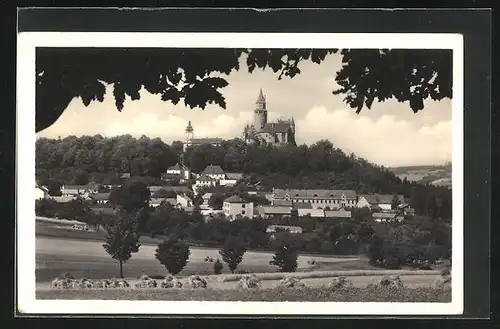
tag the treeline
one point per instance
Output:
(78, 160)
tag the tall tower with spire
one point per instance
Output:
(189, 132)
(260, 113)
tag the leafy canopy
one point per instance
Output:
(197, 75)
(173, 254)
(232, 252)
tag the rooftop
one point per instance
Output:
(276, 127)
(314, 194)
(234, 199)
(213, 170)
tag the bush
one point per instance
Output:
(146, 282)
(218, 267)
(291, 282)
(249, 282)
(340, 283)
(442, 282)
(173, 254)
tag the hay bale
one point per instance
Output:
(291, 282)
(171, 282)
(442, 282)
(249, 282)
(144, 277)
(195, 282)
(391, 282)
(147, 283)
(340, 282)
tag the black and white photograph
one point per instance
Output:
(176, 173)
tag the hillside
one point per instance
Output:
(434, 175)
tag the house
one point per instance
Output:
(318, 198)
(382, 202)
(214, 171)
(184, 201)
(268, 211)
(338, 214)
(278, 228)
(77, 190)
(100, 198)
(156, 202)
(41, 192)
(63, 198)
(177, 172)
(235, 205)
(383, 217)
(205, 181)
(231, 179)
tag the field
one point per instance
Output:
(308, 294)
(60, 249)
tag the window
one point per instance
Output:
(243, 206)
(243, 212)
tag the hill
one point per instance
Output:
(434, 175)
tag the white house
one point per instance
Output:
(184, 201)
(383, 202)
(231, 179)
(75, 190)
(215, 172)
(178, 171)
(234, 206)
(156, 202)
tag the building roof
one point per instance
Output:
(383, 215)
(274, 228)
(274, 210)
(314, 194)
(276, 127)
(338, 213)
(205, 178)
(184, 197)
(212, 170)
(176, 189)
(176, 167)
(261, 98)
(207, 195)
(235, 199)
(157, 200)
(100, 196)
(282, 203)
(382, 198)
(200, 141)
(303, 205)
(62, 198)
(234, 175)
(75, 187)
(171, 176)
(155, 188)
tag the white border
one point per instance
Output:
(28, 41)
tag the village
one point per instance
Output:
(185, 186)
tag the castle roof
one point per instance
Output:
(276, 127)
(261, 98)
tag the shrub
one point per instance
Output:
(195, 281)
(442, 282)
(232, 252)
(340, 283)
(218, 267)
(291, 282)
(249, 282)
(173, 254)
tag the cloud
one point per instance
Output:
(385, 141)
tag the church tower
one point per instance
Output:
(189, 132)
(260, 113)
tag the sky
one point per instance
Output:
(388, 134)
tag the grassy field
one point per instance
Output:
(310, 294)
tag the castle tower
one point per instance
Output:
(260, 113)
(189, 132)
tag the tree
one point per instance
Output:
(218, 267)
(286, 254)
(173, 254)
(54, 188)
(232, 252)
(174, 74)
(216, 201)
(121, 238)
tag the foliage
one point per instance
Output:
(218, 267)
(232, 252)
(121, 238)
(197, 75)
(285, 257)
(173, 254)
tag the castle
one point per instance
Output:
(281, 132)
